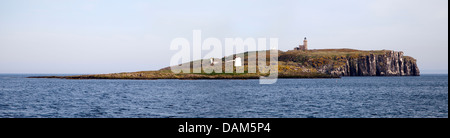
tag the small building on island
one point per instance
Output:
(237, 61)
(304, 46)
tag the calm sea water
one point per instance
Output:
(349, 97)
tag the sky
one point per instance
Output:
(110, 36)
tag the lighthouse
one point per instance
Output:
(305, 44)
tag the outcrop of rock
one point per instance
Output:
(390, 64)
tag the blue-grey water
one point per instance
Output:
(350, 97)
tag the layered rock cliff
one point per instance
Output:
(348, 62)
(390, 64)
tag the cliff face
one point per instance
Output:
(390, 64)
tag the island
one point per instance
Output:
(297, 63)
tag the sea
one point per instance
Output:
(424, 96)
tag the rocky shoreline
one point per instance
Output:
(323, 63)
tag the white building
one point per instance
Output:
(212, 62)
(238, 62)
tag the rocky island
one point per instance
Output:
(320, 63)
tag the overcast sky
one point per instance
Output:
(108, 36)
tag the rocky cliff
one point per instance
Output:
(390, 64)
(348, 62)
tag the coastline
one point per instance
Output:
(200, 77)
(294, 64)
